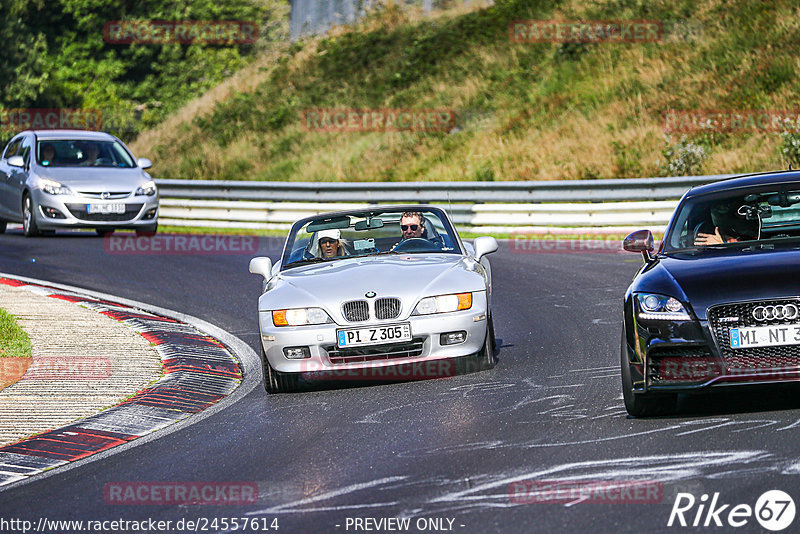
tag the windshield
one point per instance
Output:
(369, 233)
(82, 153)
(727, 218)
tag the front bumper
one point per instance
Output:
(684, 357)
(71, 211)
(321, 341)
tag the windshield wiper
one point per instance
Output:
(305, 261)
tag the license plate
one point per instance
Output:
(765, 336)
(373, 335)
(105, 208)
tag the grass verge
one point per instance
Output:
(14, 341)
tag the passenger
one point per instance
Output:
(92, 151)
(328, 244)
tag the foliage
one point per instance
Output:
(684, 158)
(790, 147)
(55, 56)
(525, 111)
(14, 341)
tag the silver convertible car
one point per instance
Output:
(58, 179)
(358, 293)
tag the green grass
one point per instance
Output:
(524, 111)
(14, 341)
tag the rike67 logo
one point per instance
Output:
(774, 510)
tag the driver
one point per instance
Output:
(728, 227)
(412, 224)
(48, 154)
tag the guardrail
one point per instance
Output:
(563, 206)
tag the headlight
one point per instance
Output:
(148, 189)
(55, 188)
(300, 317)
(444, 304)
(652, 306)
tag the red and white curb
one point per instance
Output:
(205, 367)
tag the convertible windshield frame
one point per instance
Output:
(450, 240)
(752, 215)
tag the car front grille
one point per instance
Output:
(112, 195)
(356, 310)
(79, 211)
(741, 315)
(409, 349)
(387, 308)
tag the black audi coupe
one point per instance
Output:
(718, 303)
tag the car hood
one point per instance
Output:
(729, 276)
(95, 178)
(409, 277)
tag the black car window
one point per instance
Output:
(735, 217)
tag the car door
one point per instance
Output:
(6, 173)
(19, 176)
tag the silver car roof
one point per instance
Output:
(83, 135)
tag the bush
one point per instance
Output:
(790, 147)
(685, 158)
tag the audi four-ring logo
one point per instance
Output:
(781, 311)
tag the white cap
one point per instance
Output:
(329, 234)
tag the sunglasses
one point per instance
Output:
(405, 227)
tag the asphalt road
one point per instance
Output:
(447, 449)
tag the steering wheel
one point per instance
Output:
(704, 227)
(415, 244)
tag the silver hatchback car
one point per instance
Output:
(58, 179)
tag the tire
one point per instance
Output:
(643, 405)
(29, 227)
(3, 225)
(102, 232)
(275, 381)
(486, 354)
(147, 230)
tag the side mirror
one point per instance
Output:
(640, 241)
(16, 161)
(261, 265)
(484, 245)
(144, 163)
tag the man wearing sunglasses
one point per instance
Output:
(412, 224)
